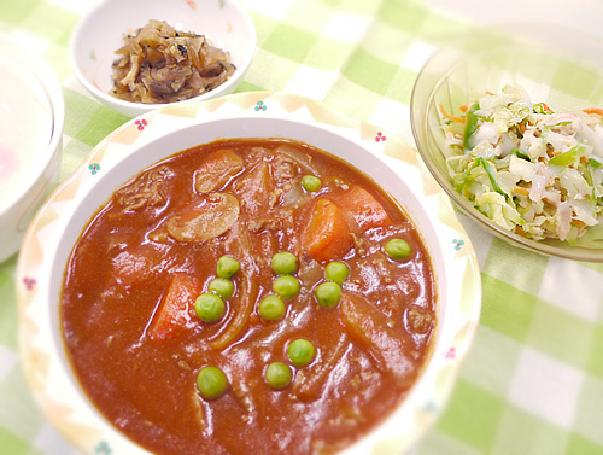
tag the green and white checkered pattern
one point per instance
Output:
(533, 381)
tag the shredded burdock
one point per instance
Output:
(159, 64)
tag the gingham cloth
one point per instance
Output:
(533, 382)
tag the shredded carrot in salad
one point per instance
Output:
(453, 118)
(530, 169)
(594, 110)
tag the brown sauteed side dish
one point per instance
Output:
(248, 296)
(159, 64)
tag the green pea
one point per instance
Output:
(227, 267)
(209, 307)
(284, 263)
(211, 382)
(278, 375)
(286, 286)
(328, 294)
(397, 249)
(311, 183)
(223, 287)
(301, 352)
(336, 271)
(271, 308)
(470, 126)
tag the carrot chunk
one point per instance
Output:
(174, 311)
(366, 211)
(327, 235)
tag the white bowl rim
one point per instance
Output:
(440, 369)
(49, 82)
(110, 100)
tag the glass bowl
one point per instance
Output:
(562, 72)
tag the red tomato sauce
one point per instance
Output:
(136, 343)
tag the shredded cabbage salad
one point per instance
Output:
(528, 168)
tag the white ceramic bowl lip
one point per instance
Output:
(49, 82)
(127, 151)
(139, 108)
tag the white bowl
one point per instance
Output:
(17, 209)
(137, 145)
(99, 34)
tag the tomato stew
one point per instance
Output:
(182, 351)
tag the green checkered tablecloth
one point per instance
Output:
(533, 382)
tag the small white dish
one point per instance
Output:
(149, 138)
(100, 32)
(31, 128)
